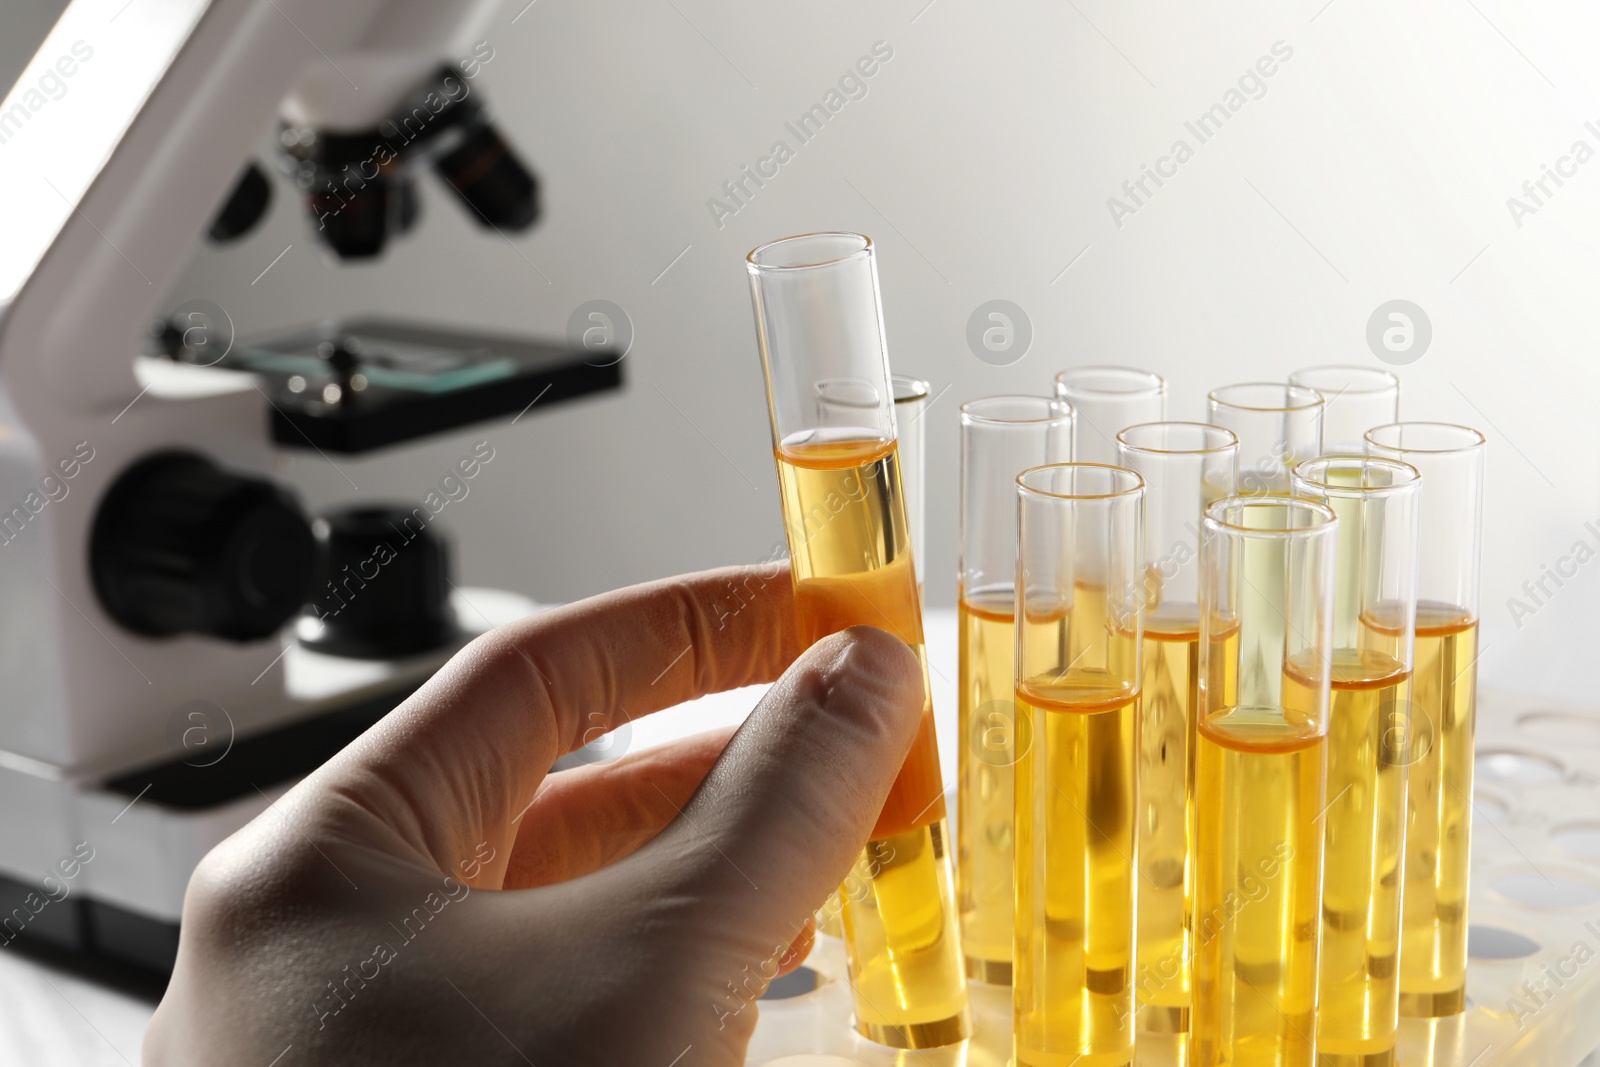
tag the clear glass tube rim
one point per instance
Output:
(1051, 410)
(755, 266)
(914, 388)
(1229, 442)
(1471, 440)
(1122, 475)
(1151, 383)
(1302, 476)
(1382, 381)
(1216, 522)
(1307, 400)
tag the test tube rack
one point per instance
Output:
(1533, 982)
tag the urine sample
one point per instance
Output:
(1355, 400)
(1107, 400)
(1369, 719)
(1444, 687)
(1001, 436)
(1266, 627)
(1186, 467)
(1278, 425)
(1079, 620)
(819, 319)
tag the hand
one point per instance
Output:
(432, 896)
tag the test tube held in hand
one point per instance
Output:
(819, 319)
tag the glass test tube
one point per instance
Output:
(1078, 651)
(1277, 425)
(1444, 688)
(1266, 628)
(1186, 467)
(819, 319)
(846, 402)
(910, 401)
(1356, 399)
(1001, 436)
(1374, 609)
(1108, 400)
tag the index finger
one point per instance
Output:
(455, 764)
(638, 650)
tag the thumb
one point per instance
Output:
(783, 814)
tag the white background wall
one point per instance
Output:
(1376, 165)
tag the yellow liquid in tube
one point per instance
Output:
(1166, 791)
(1363, 831)
(844, 510)
(1259, 794)
(1444, 686)
(986, 762)
(1076, 819)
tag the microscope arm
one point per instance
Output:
(110, 185)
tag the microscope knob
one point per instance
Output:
(181, 546)
(245, 206)
(385, 588)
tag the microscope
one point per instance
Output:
(180, 641)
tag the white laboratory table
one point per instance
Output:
(1535, 895)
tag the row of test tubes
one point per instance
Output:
(1242, 727)
(1216, 710)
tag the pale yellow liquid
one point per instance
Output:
(1433, 946)
(1166, 787)
(1259, 776)
(1076, 819)
(1075, 882)
(850, 553)
(984, 812)
(1363, 835)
